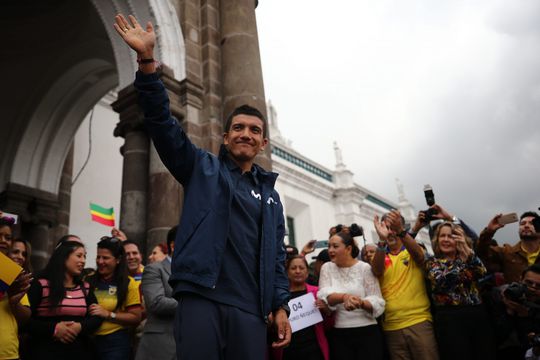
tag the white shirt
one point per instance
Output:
(354, 280)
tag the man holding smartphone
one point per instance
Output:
(511, 260)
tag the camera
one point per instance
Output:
(516, 292)
(430, 201)
(535, 341)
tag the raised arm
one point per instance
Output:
(171, 142)
(377, 265)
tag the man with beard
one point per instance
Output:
(511, 260)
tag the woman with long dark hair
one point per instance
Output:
(119, 300)
(348, 286)
(61, 323)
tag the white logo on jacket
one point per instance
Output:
(259, 197)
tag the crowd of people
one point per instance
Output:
(226, 293)
(469, 299)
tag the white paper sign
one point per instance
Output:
(304, 313)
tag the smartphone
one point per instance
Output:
(11, 217)
(321, 244)
(508, 219)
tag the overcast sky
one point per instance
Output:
(438, 92)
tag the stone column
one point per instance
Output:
(64, 201)
(242, 80)
(38, 213)
(135, 168)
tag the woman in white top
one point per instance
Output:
(348, 287)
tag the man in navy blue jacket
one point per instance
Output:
(228, 267)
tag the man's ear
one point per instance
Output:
(263, 145)
(225, 138)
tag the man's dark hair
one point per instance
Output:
(528, 214)
(171, 236)
(128, 242)
(535, 268)
(246, 110)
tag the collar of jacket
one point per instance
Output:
(266, 177)
(517, 249)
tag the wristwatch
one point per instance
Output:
(112, 315)
(286, 308)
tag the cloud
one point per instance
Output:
(442, 94)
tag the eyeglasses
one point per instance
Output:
(531, 284)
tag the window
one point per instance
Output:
(290, 226)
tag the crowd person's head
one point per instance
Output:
(531, 278)
(342, 248)
(65, 267)
(133, 256)
(69, 237)
(297, 270)
(111, 265)
(527, 231)
(20, 253)
(320, 259)
(291, 251)
(368, 253)
(245, 133)
(159, 253)
(171, 237)
(6, 235)
(444, 240)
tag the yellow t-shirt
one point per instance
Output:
(9, 340)
(531, 257)
(106, 297)
(404, 291)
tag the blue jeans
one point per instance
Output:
(115, 346)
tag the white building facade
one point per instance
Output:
(316, 198)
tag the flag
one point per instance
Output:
(8, 273)
(102, 215)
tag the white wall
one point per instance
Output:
(101, 180)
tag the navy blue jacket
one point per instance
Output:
(204, 225)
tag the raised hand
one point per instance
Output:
(394, 220)
(494, 224)
(139, 39)
(381, 228)
(463, 249)
(441, 213)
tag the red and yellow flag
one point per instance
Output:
(102, 215)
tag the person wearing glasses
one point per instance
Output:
(61, 323)
(119, 300)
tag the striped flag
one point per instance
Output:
(102, 215)
(8, 273)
